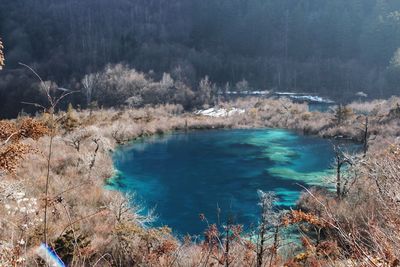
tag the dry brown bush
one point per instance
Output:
(12, 134)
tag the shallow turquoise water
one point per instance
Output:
(184, 174)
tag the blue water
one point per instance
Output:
(184, 174)
(321, 107)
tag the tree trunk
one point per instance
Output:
(365, 140)
(338, 179)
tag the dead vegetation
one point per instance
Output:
(91, 226)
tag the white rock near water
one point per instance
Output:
(310, 98)
(305, 97)
(220, 112)
(256, 92)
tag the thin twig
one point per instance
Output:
(83, 218)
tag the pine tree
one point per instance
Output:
(342, 114)
(70, 122)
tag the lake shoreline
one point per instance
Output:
(81, 161)
(275, 161)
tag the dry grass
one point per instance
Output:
(81, 209)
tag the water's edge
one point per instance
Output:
(274, 153)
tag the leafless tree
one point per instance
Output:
(125, 209)
(76, 138)
(53, 101)
(341, 159)
(269, 219)
(365, 133)
(89, 83)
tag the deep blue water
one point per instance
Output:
(184, 174)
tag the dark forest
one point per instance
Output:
(331, 48)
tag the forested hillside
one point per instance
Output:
(335, 48)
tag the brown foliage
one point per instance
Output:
(31, 128)
(12, 133)
(7, 128)
(11, 155)
(211, 236)
(25, 128)
(298, 216)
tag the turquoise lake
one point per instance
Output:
(181, 175)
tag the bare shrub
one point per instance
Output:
(118, 83)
